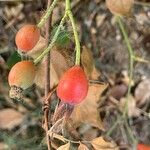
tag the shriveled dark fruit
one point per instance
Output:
(21, 76)
(73, 86)
(27, 37)
(120, 7)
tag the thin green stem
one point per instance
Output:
(139, 59)
(68, 5)
(77, 42)
(133, 138)
(45, 52)
(131, 54)
(47, 14)
(109, 132)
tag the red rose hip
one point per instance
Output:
(73, 86)
(27, 37)
(143, 147)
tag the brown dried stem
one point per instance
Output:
(47, 112)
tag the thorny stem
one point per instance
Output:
(45, 52)
(47, 14)
(70, 15)
(46, 116)
(131, 54)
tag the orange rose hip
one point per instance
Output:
(21, 76)
(27, 37)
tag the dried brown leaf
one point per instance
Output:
(120, 7)
(142, 92)
(87, 111)
(132, 109)
(118, 91)
(40, 75)
(38, 49)
(60, 62)
(100, 144)
(88, 132)
(88, 64)
(64, 147)
(3, 146)
(10, 118)
(82, 147)
(87, 61)
(57, 136)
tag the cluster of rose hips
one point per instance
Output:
(73, 85)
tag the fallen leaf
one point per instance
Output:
(87, 111)
(3, 146)
(88, 132)
(87, 62)
(82, 147)
(118, 91)
(61, 60)
(142, 92)
(56, 136)
(10, 118)
(64, 147)
(40, 75)
(100, 144)
(132, 109)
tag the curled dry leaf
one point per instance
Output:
(64, 147)
(10, 118)
(120, 7)
(100, 144)
(142, 92)
(82, 147)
